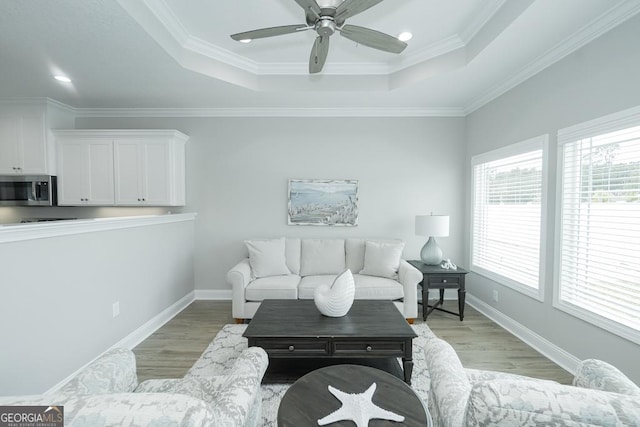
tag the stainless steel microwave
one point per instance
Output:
(28, 190)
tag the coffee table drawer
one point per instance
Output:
(373, 348)
(294, 347)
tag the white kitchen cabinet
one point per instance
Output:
(23, 144)
(149, 171)
(26, 144)
(147, 167)
(85, 172)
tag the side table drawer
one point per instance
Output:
(294, 347)
(444, 281)
(373, 348)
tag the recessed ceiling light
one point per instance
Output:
(245, 41)
(405, 37)
(62, 78)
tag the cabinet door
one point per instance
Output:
(72, 173)
(85, 172)
(9, 134)
(100, 173)
(142, 172)
(156, 179)
(33, 148)
(129, 163)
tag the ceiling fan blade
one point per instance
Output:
(349, 8)
(373, 38)
(269, 32)
(310, 7)
(319, 53)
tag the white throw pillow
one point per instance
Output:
(382, 259)
(320, 256)
(267, 257)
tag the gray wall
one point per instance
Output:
(599, 79)
(238, 171)
(57, 296)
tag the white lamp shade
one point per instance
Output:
(432, 225)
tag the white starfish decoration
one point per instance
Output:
(359, 408)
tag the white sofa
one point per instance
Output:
(107, 393)
(601, 395)
(291, 268)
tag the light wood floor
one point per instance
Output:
(479, 342)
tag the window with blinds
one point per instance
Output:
(598, 274)
(508, 212)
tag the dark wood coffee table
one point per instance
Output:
(294, 333)
(309, 399)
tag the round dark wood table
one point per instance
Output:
(309, 399)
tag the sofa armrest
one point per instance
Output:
(239, 277)
(450, 387)
(532, 402)
(409, 277)
(252, 361)
(598, 375)
(113, 372)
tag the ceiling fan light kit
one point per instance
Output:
(326, 17)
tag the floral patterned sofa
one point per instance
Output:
(107, 393)
(600, 396)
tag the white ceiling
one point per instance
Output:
(177, 54)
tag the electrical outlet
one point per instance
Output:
(116, 309)
(495, 295)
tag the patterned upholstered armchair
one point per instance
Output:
(107, 393)
(600, 396)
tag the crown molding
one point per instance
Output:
(480, 20)
(270, 112)
(596, 28)
(242, 111)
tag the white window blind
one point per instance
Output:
(507, 215)
(598, 275)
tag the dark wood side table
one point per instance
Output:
(434, 277)
(309, 399)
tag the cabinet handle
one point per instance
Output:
(144, 200)
(291, 348)
(139, 200)
(369, 348)
(444, 281)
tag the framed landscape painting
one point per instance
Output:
(323, 202)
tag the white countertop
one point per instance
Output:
(39, 230)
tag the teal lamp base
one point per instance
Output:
(431, 253)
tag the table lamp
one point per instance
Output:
(432, 226)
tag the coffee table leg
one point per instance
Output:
(407, 366)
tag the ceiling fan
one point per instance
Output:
(326, 17)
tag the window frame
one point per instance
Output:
(534, 144)
(611, 123)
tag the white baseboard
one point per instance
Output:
(140, 334)
(213, 294)
(556, 354)
(144, 331)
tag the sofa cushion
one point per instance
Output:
(354, 254)
(382, 259)
(322, 256)
(292, 254)
(371, 287)
(267, 257)
(309, 284)
(274, 287)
